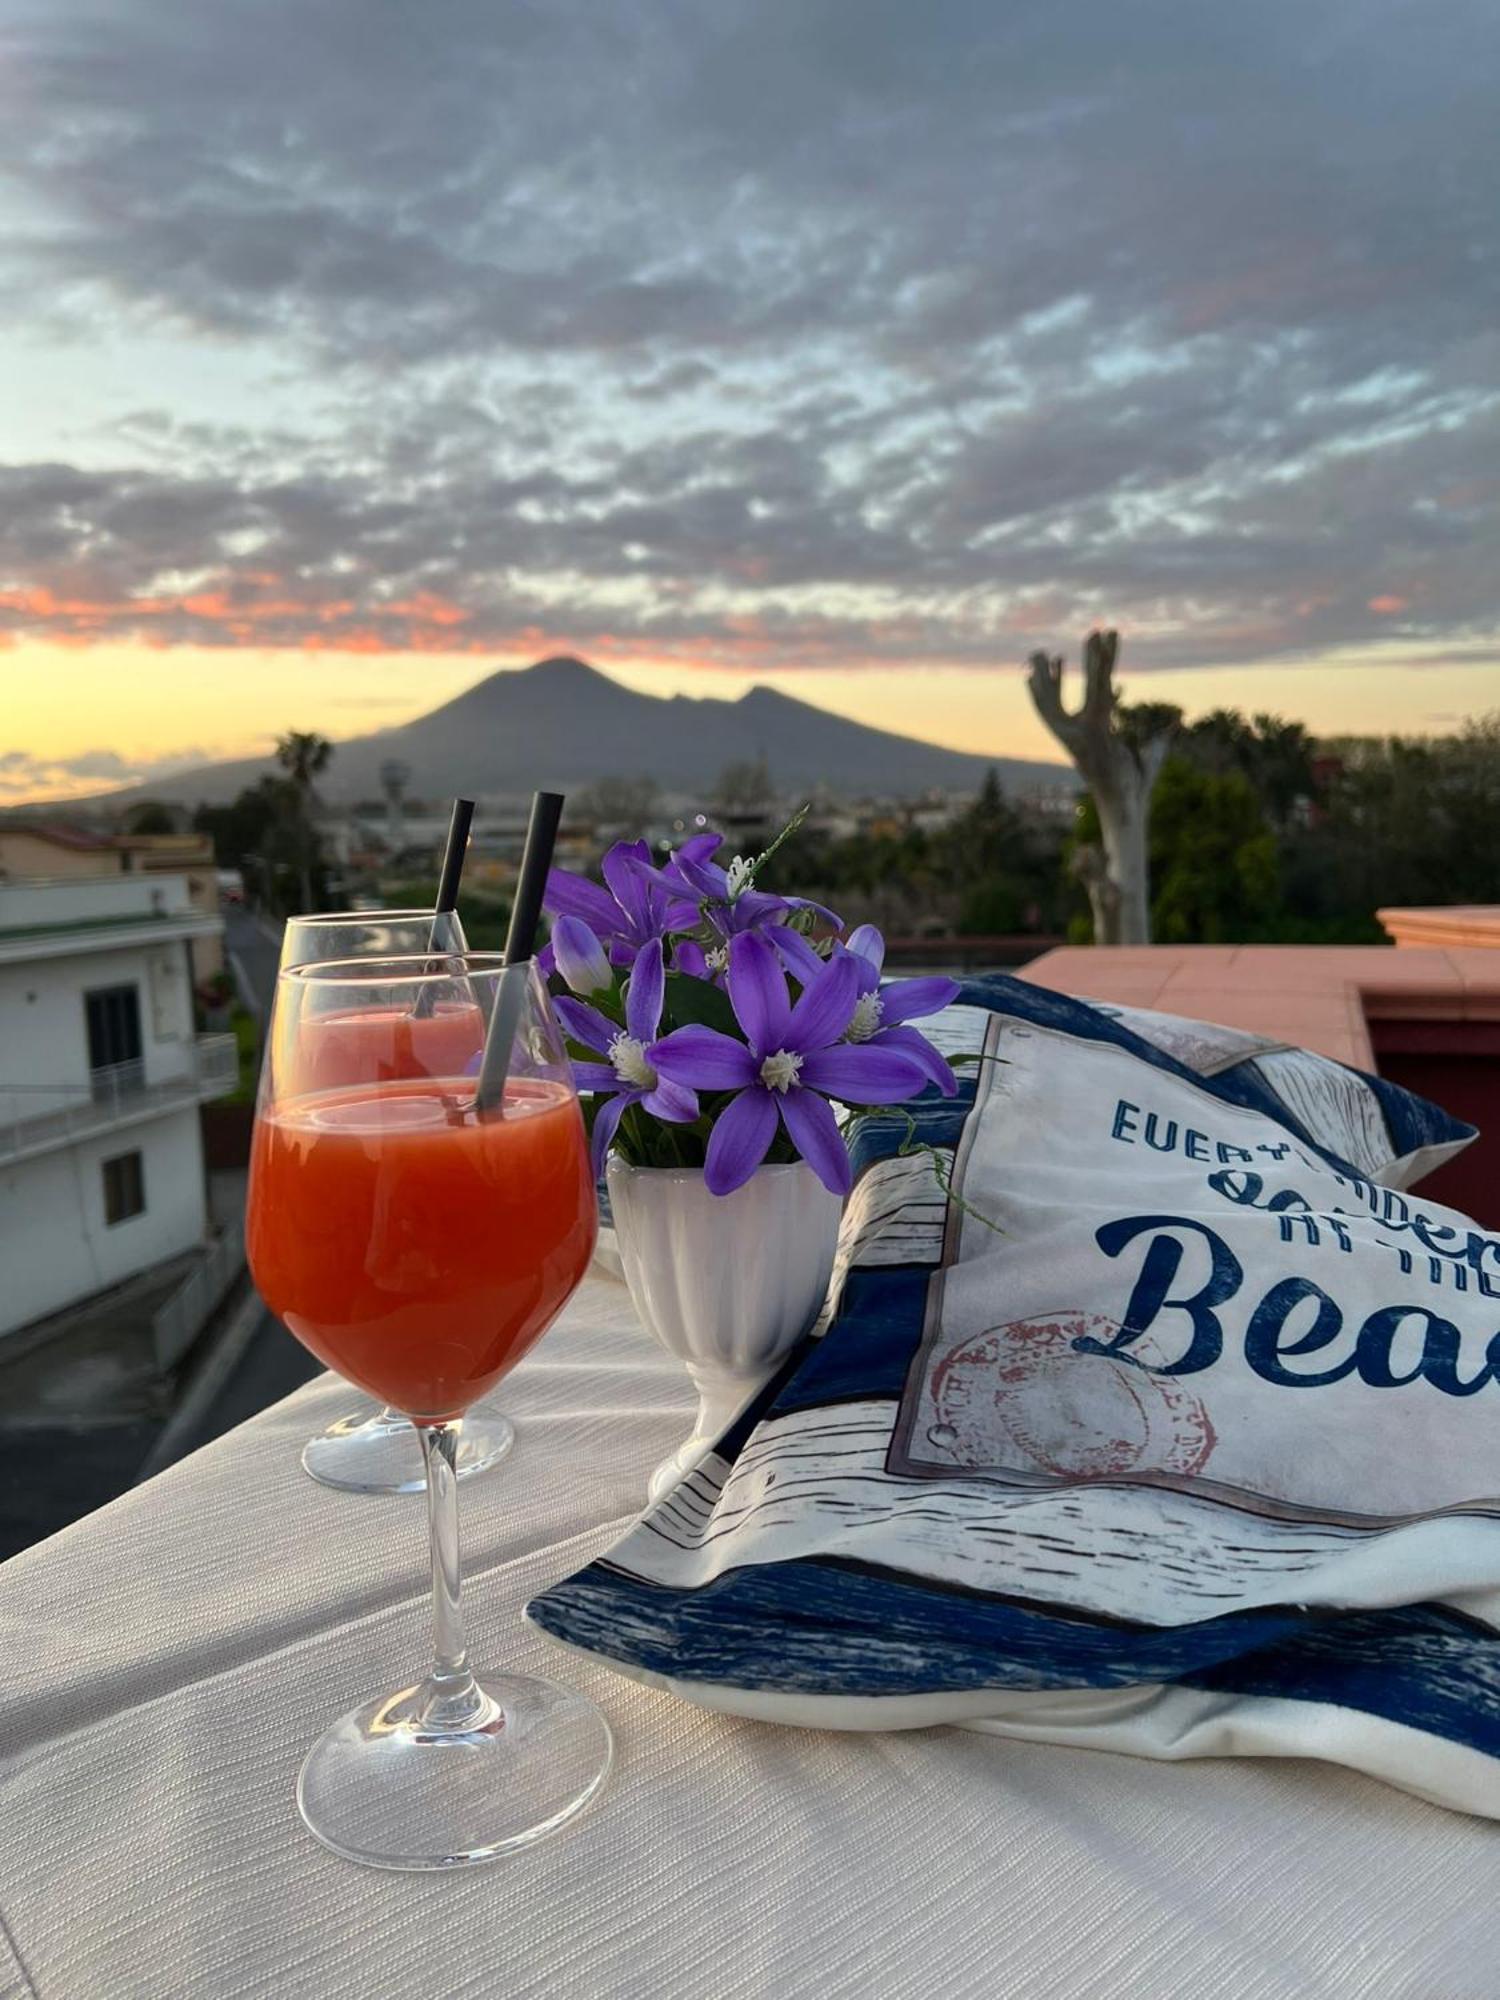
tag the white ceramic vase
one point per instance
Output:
(727, 1283)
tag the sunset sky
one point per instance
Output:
(351, 350)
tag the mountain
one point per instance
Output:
(561, 724)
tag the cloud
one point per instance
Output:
(26, 777)
(896, 334)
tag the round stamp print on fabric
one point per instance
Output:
(1019, 1397)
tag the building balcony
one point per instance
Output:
(117, 1095)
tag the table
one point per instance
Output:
(169, 1659)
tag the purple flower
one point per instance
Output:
(579, 956)
(630, 1076)
(792, 1059)
(797, 953)
(635, 905)
(881, 1009)
(689, 956)
(724, 895)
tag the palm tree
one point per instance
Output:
(302, 755)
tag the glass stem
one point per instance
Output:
(454, 1697)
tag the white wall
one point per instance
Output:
(44, 1047)
(55, 1245)
(105, 899)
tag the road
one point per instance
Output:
(253, 944)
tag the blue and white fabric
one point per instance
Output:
(1142, 1417)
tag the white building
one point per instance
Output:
(101, 1076)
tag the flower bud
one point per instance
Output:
(580, 956)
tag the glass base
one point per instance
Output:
(678, 1465)
(381, 1454)
(721, 1397)
(424, 1780)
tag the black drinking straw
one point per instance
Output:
(453, 860)
(520, 943)
(448, 881)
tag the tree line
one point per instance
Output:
(1258, 833)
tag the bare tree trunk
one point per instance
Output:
(1120, 773)
(1104, 896)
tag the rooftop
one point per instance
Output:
(51, 919)
(1425, 1018)
(59, 833)
(1322, 997)
(1461, 925)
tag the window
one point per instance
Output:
(124, 1188)
(114, 1018)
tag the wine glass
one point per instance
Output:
(419, 1240)
(363, 1452)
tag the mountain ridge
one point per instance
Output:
(561, 723)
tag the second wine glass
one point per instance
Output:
(379, 1451)
(419, 1234)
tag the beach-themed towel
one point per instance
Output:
(1142, 1418)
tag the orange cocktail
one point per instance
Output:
(416, 1247)
(377, 1044)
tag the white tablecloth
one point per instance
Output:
(168, 1660)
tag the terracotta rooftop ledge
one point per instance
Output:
(1320, 997)
(1471, 925)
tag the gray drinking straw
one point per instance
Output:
(520, 942)
(448, 881)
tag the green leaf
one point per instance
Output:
(695, 1003)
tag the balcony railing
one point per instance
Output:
(116, 1094)
(112, 1081)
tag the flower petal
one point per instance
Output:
(827, 1005)
(668, 905)
(699, 847)
(672, 1102)
(740, 1140)
(908, 1042)
(575, 896)
(757, 992)
(753, 910)
(908, 999)
(863, 1073)
(703, 1059)
(689, 957)
(814, 1131)
(796, 953)
(606, 1118)
(600, 1077)
(703, 880)
(867, 943)
(643, 996)
(625, 883)
(585, 1024)
(580, 956)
